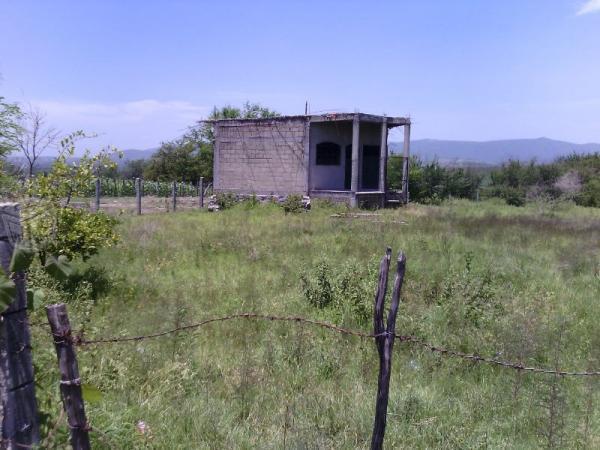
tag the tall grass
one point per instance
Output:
(519, 283)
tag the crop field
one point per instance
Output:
(518, 284)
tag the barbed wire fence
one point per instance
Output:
(79, 340)
(67, 340)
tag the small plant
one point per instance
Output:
(251, 202)
(514, 196)
(348, 290)
(226, 200)
(293, 204)
(317, 286)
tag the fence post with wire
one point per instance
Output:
(384, 335)
(70, 382)
(17, 388)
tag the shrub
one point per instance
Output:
(54, 225)
(293, 204)
(590, 194)
(226, 200)
(349, 290)
(251, 202)
(72, 232)
(514, 196)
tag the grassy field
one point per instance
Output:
(521, 284)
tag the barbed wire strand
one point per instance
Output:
(79, 340)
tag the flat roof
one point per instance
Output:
(329, 117)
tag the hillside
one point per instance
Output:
(450, 152)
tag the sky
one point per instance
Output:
(139, 72)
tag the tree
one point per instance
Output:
(53, 225)
(35, 137)
(10, 115)
(134, 168)
(180, 160)
(191, 156)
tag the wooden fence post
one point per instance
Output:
(384, 340)
(138, 196)
(17, 389)
(174, 194)
(97, 204)
(201, 192)
(70, 383)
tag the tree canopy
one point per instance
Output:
(10, 115)
(191, 156)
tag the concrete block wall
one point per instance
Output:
(263, 156)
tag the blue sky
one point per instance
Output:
(139, 72)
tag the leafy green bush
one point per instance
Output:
(590, 194)
(293, 204)
(514, 196)
(431, 182)
(347, 291)
(468, 297)
(573, 177)
(72, 232)
(52, 224)
(226, 200)
(251, 202)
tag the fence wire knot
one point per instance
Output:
(75, 382)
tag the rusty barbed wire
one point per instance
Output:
(79, 340)
(493, 361)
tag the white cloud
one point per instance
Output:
(588, 7)
(128, 111)
(135, 124)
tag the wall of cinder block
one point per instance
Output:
(262, 156)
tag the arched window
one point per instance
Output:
(328, 154)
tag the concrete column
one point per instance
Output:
(383, 155)
(405, 165)
(355, 156)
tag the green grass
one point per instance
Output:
(523, 283)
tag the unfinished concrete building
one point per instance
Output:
(341, 157)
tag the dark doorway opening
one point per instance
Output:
(370, 167)
(348, 168)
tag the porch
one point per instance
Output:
(348, 158)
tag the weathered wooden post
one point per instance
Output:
(174, 194)
(70, 383)
(97, 204)
(405, 163)
(138, 196)
(201, 192)
(384, 340)
(17, 389)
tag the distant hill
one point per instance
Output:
(492, 152)
(448, 153)
(132, 154)
(44, 162)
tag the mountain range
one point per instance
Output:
(492, 152)
(446, 152)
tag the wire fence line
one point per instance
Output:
(78, 339)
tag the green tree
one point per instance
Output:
(134, 168)
(10, 115)
(431, 182)
(52, 224)
(191, 156)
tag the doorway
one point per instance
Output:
(348, 168)
(370, 167)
